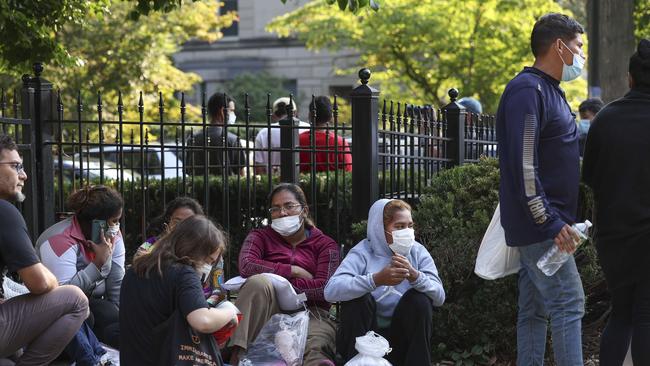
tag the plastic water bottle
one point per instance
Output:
(554, 258)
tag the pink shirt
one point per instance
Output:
(265, 251)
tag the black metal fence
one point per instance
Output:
(343, 166)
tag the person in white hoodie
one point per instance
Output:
(388, 283)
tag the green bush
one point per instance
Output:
(478, 319)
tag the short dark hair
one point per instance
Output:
(217, 103)
(323, 108)
(550, 27)
(7, 143)
(592, 105)
(640, 64)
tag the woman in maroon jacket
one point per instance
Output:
(292, 247)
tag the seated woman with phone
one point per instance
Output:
(87, 250)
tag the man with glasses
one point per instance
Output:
(43, 322)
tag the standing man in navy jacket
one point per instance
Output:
(539, 165)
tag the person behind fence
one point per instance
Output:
(388, 283)
(291, 247)
(539, 167)
(587, 109)
(262, 148)
(177, 210)
(168, 280)
(34, 328)
(220, 110)
(335, 151)
(95, 265)
(615, 166)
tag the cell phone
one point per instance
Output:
(98, 226)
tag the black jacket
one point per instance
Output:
(616, 166)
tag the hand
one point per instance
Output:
(103, 251)
(401, 261)
(567, 239)
(299, 272)
(390, 276)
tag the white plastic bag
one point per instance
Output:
(288, 299)
(371, 347)
(12, 288)
(281, 341)
(495, 259)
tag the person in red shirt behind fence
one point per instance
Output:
(332, 152)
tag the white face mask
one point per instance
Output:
(288, 225)
(113, 230)
(571, 72)
(402, 241)
(232, 118)
(204, 272)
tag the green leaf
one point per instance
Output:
(477, 350)
(342, 4)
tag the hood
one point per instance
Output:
(375, 230)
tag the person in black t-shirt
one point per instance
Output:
(23, 322)
(167, 280)
(220, 106)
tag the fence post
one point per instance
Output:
(37, 105)
(289, 157)
(365, 124)
(455, 115)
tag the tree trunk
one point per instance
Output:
(615, 43)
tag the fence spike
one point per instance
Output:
(120, 104)
(203, 106)
(80, 105)
(99, 102)
(3, 102)
(59, 104)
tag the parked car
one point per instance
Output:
(135, 162)
(92, 170)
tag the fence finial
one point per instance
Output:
(38, 69)
(364, 75)
(453, 94)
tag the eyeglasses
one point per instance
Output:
(19, 167)
(290, 208)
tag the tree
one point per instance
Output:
(419, 49)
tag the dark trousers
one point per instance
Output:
(84, 349)
(628, 321)
(105, 321)
(409, 334)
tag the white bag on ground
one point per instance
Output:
(371, 347)
(12, 288)
(495, 259)
(288, 299)
(281, 341)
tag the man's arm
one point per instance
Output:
(38, 279)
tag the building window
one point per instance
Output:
(230, 5)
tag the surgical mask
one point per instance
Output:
(570, 72)
(232, 118)
(113, 230)
(583, 126)
(288, 225)
(402, 241)
(204, 271)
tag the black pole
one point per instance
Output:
(365, 123)
(455, 115)
(289, 156)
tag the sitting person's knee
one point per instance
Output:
(258, 282)
(417, 301)
(74, 295)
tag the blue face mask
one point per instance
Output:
(571, 72)
(583, 126)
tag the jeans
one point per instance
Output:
(85, 349)
(559, 297)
